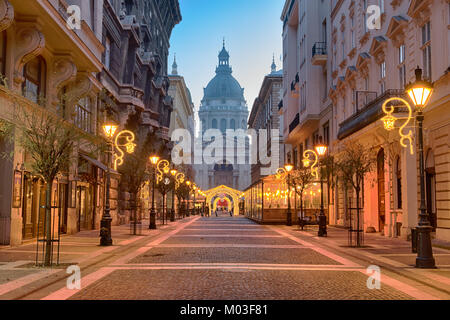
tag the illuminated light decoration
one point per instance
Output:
(280, 173)
(173, 172)
(179, 178)
(321, 148)
(162, 167)
(288, 167)
(110, 130)
(389, 122)
(306, 158)
(404, 136)
(129, 145)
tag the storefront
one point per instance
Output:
(266, 201)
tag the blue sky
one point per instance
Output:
(252, 31)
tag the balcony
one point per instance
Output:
(319, 54)
(294, 123)
(368, 114)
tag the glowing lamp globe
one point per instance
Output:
(110, 129)
(420, 91)
(154, 160)
(321, 148)
(173, 172)
(306, 162)
(288, 167)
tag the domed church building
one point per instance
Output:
(224, 107)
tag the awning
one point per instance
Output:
(94, 162)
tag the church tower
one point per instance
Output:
(224, 107)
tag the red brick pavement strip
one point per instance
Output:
(86, 239)
(438, 279)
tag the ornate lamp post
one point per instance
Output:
(105, 225)
(194, 188)
(321, 149)
(110, 130)
(173, 172)
(188, 183)
(420, 93)
(152, 224)
(288, 167)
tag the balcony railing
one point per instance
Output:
(294, 123)
(368, 114)
(319, 48)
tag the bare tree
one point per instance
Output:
(300, 180)
(353, 163)
(50, 141)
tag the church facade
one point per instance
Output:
(223, 107)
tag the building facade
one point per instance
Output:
(223, 107)
(111, 67)
(265, 116)
(307, 108)
(369, 60)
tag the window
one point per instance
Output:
(107, 53)
(223, 125)
(381, 5)
(398, 174)
(294, 153)
(301, 150)
(382, 76)
(233, 124)
(214, 124)
(402, 65)
(353, 32)
(365, 17)
(34, 73)
(426, 50)
(326, 133)
(83, 114)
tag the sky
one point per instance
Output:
(252, 30)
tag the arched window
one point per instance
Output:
(223, 125)
(398, 176)
(214, 124)
(233, 124)
(34, 73)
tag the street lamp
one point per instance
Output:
(173, 172)
(153, 160)
(105, 225)
(420, 93)
(188, 183)
(288, 167)
(321, 149)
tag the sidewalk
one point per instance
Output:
(17, 263)
(395, 248)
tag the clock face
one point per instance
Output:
(166, 181)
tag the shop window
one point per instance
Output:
(398, 175)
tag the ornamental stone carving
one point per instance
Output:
(78, 88)
(29, 44)
(6, 14)
(63, 72)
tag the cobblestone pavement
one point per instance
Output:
(228, 259)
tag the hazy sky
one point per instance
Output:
(252, 31)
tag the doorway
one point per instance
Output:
(381, 191)
(63, 199)
(430, 189)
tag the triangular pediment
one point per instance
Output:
(378, 44)
(396, 26)
(417, 7)
(363, 58)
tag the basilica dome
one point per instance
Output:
(223, 86)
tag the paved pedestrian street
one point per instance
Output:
(225, 258)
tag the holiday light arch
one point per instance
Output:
(235, 195)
